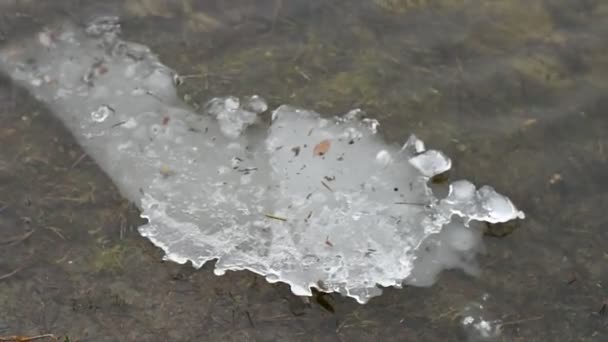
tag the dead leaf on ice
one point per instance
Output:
(321, 148)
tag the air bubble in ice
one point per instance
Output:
(101, 113)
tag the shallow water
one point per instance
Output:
(514, 91)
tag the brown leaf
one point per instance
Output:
(321, 148)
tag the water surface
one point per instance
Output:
(514, 91)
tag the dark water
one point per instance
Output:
(515, 91)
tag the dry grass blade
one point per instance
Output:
(327, 186)
(519, 321)
(275, 217)
(27, 338)
(81, 158)
(8, 275)
(15, 239)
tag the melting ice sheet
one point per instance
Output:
(309, 201)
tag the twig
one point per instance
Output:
(119, 123)
(276, 10)
(8, 275)
(303, 74)
(56, 231)
(26, 338)
(78, 161)
(275, 217)
(201, 75)
(154, 96)
(524, 320)
(15, 239)
(249, 319)
(411, 203)
(327, 186)
(248, 169)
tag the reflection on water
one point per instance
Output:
(513, 90)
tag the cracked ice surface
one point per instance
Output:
(310, 201)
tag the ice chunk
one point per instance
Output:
(484, 204)
(413, 146)
(431, 163)
(255, 104)
(310, 201)
(461, 191)
(233, 116)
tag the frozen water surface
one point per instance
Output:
(311, 201)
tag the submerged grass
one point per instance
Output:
(514, 91)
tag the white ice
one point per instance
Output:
(310, 201)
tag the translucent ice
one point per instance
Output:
(431, 163)
(234, 117)
(311, 201)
